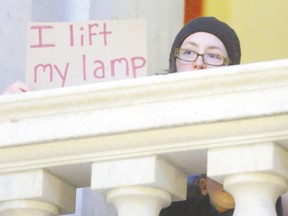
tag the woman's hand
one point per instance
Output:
(17, 87)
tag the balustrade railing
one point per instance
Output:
(136, 141)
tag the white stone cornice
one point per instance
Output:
(146, 90)
(146, 103)
(261, 189)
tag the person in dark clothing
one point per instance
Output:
(202, 207)
(214, 201)
(204, 42)
(196, 207)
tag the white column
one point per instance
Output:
(59, 11)
(35, 193)
(14, 14)
(77, 10)
(256, 175)
(139, 201)
(27, 208)
(255, 193)
(139, 186)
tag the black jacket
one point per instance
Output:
(202, 207)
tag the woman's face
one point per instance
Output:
(202, 43)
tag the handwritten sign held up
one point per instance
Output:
(65, 54)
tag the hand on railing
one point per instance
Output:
(17, 87)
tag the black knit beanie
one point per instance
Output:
(213, 26)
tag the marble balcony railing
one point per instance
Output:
(136, 140)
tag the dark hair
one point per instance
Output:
(213, 26)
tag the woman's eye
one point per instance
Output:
(188, 52)
(214, 56)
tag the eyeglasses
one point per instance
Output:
(208, 58)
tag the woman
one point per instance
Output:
(205, 42)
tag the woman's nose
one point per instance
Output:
(199, 63)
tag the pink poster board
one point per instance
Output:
(66, 54)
